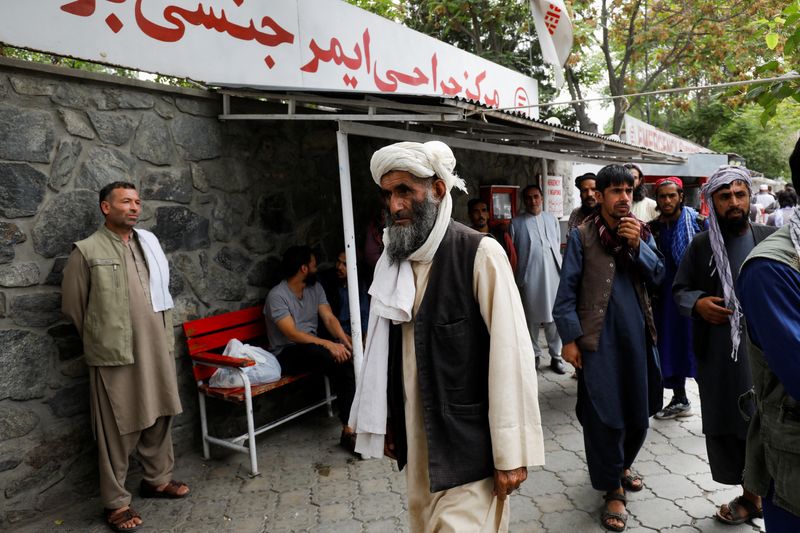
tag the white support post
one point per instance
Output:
(350, 250)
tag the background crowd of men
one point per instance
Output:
(647, 294)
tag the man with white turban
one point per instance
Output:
(769, 289)
(703, 289)
(448, 386)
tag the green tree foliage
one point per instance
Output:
(781, 40)
(766, 148)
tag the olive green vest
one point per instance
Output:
(773, 439)
(107, 333)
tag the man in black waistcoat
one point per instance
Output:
(448, 346)
(704, 290)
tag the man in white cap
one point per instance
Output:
(703, 290)
(448, 386)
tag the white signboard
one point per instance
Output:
(554, 196)
(643, 134)
(287, 44)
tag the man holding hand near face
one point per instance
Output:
(603, 315)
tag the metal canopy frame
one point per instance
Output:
(459, 123)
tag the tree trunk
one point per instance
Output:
(584, 122)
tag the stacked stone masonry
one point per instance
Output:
(224, 198)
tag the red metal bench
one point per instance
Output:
(213, 333)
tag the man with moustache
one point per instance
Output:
(643, 208)
(292, 310)
(478, 213)
(448, 386)
(673, 230)
(116, 292)
(703, 290)
(537, 240)
(603, 314)
(585, 183)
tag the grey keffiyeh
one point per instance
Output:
(726, 175)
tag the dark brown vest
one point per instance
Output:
(597, 279)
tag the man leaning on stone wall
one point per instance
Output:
(116, 292)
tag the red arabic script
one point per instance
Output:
(395, 77)
(178, 17)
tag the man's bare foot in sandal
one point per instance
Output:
(631, 481)
(741, 509)
(615, 516)
(123, 519)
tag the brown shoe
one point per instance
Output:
(116, 517)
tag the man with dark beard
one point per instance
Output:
(704, 290)
(448, 355)
(292, 311)
(673, 230)
(585, 183)
(643, 208)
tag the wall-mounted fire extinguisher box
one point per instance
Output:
(502, 203)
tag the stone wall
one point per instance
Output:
(225, 199)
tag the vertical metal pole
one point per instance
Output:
(350, 251)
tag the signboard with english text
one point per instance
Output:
(643, 134)
(554, 196)
(312, 45)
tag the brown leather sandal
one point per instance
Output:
(146, 490)
(115, 518)
(735, 508)
(608, 516)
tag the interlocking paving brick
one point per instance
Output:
(683, 464)
(699, 507)
(691, 444)
(300, 518)
(572, 441)
(373, 485)
(378, 506)
(575, 521)
(553, 503)
(584, 497)
(345, 526)
(342, 492)
(673, 486)
(660, 515)
(539, 483)
(335, 512)
(562, 460)
(572, 478)
(294, 498)
(523, 510)
(712, 525)
(389, 525)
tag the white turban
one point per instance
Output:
(421, 160)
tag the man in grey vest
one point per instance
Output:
(603, 315)
(769, 292)
(116, 292)
(703, 290)
(448, 355)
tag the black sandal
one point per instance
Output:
(740, 502)
(629, 481)
(607, 516)
(115, 518)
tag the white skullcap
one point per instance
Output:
(421, 160)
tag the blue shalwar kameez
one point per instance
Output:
(619, 387)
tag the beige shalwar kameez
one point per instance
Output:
(514, 419)
(132, 405)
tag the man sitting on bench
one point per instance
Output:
(292, 310)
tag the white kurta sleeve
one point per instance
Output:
(514, 418)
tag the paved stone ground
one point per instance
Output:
(310, 484)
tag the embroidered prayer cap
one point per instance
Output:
(725, 175)
(423, 160)
(672, 179)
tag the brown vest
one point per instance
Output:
(597, 279)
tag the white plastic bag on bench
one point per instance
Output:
(266, 370)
